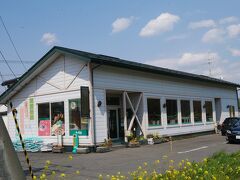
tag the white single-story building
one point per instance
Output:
(107, 97)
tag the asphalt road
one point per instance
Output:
(128, 159)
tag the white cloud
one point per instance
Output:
(213, 36)
(227, 20)
(49, 38)
(233, 30)
(121, 24)
(235, 52)
(198, 63)
(195, 58)
(164, 22)
(209, 23)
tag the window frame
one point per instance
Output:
(205, 102)
(190, 110)
(161, 123)
(50, 116)
(172, 99)
(198, 122)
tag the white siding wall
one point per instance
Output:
(100, 115)
(56, 83)
(112, 78)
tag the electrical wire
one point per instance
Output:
(10, 38)
(16, 61)
(7, 63)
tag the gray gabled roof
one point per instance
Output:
(113, 61)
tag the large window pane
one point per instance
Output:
(44, 123)
(154, 112)
(185, 111)
(57, 118)
(172, 112)
(74, 116)
(209, 111)
(197, 108)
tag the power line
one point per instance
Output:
(9, 36)
(7, 63)
(9, 75)
(2, 79)
(16, 61)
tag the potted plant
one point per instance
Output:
(132, 141)
(105, 147)
(157, 139)
(142, 140)
(150, 139)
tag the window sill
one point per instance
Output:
(210, 122)
(173, 125)
(155, 127)
(187, 124)
(198, 123)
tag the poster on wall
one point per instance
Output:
(44, 128)
(22, 110)
(31, 108)
(26, 109)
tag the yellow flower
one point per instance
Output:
(157, 161)
(205, 160)
(165, 157)
(214, 178)
(189, 164)
(77, 172)
(43, 175)
(46, 167)
(206, 173)
(171, 161)
(48, 162)
(70, 157)
(34, 177)
(100, 176)
(62, 175)
(145, 163)
(53, 172)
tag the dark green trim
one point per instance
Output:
(113, 61)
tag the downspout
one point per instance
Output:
(92, 102)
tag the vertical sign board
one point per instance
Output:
(31, 108)
(85, 110)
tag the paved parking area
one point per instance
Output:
(128, 159)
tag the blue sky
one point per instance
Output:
(175, 34)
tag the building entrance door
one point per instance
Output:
(113, 123)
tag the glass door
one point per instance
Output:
(113, 125)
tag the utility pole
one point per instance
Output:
(210, 64)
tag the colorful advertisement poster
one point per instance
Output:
(22, 110)
(31, 107)
(44, 128)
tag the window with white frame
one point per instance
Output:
(51, 119)
(209, 111)
(154, 112)
(197, 111)
(185, 111)
(172, 111)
